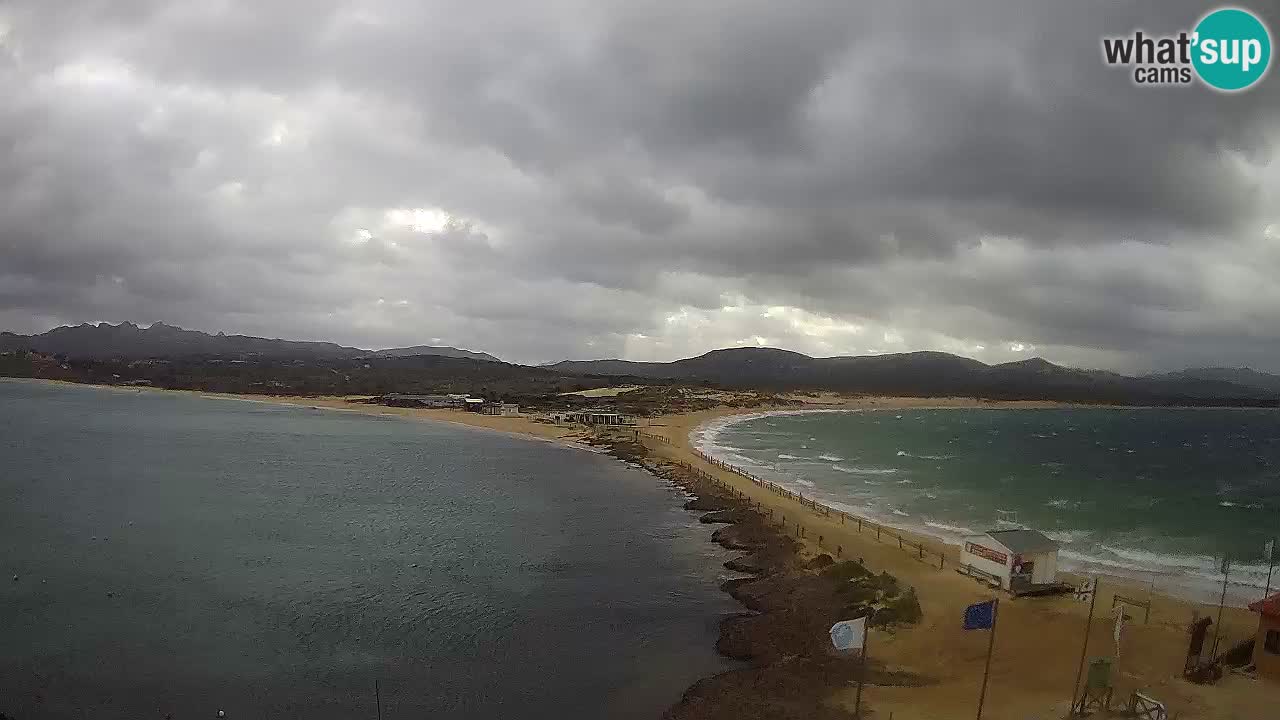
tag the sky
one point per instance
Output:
(644, 180)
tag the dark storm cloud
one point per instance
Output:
(641, 179)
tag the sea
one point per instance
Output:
(171, 555)
(1156, 496)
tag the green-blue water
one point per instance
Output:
(1140, 492)
(181, 555)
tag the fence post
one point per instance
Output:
(877, 533)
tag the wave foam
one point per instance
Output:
(863, 470)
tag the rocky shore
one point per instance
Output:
(792, 595)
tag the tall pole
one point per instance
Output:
(862, 674)
(1271, 566)
(1217, 627)
(1084, 649)
(377, 696)
(986, 672)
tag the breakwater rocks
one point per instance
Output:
(792, 598)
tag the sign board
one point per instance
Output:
(986, 553)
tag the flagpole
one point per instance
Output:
(1217, 627)
(1270, 568)
(1084, 650)
(862, 674)
(986, 672)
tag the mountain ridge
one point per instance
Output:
(129, 341)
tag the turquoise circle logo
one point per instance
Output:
(1232, 49)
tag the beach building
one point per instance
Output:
(1266, 646)
(473, 404)
(1018, 560)
(503, 409)
(594, 417)
(430, 401)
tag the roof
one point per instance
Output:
(1023, 541)
(1269, 607)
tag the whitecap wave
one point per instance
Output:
(830, 458)
(863, 470)
(955, 529)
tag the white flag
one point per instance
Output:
(1119, 611)
(849, 634)
(1269, 550)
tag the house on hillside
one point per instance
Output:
(1266, 646)
(1018, 560)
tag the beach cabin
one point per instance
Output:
(1018, 560)
(1266, 646)
(503, 409)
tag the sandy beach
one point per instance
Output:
(1039, 639)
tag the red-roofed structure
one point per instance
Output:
(1266, 647)
(1269, 607)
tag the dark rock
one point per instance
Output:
(819, 562)
(720, 516)
(705, 504)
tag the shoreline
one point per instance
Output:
(1176, 585)
(1039, 646)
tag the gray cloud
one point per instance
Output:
(589, 179)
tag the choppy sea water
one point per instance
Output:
(1158, 495)
(179, 555)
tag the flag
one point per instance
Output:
(1119, 611)
(1226, 564)
(1269, 550)
(1086, 589)
(980, 616)
(849, 634)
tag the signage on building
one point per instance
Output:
(987, 553)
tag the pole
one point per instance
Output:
(1084, 649)
(986, 672)
(1270, 568)
(862, 675)
(1217, 627)
(377, 696)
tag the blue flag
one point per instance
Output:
(980, 616)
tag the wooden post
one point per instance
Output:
(862, 673)
(1217, 627)
(986, 673)
(1084, 648)
(377, 696)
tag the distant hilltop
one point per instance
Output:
(127, 341)
(117, 352)
(936, 374)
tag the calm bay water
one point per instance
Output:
(177, 554)
(1152, 494)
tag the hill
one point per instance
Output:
(127, 341)
(924, 374)
(1244, 377)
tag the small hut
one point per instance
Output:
(1266, 646)
(1018, 560)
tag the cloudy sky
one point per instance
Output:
(647, 180)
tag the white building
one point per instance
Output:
(505, 409)
(1019, 560)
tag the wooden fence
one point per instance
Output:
(883, 532)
